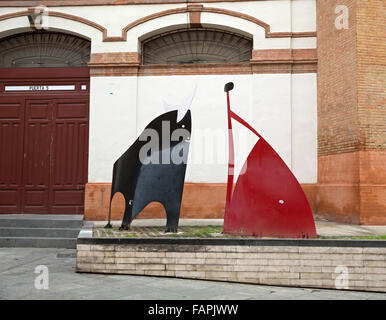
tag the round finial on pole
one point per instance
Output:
(229, 86)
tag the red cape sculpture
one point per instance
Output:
(267, 200)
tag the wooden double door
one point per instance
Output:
(44, 147)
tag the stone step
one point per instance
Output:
(39, 232)
(41, 221)
(34, 242)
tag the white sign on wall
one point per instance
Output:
(40, 88)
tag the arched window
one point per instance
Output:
(44, 49)
(190, 46)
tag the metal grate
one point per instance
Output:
(44, 49)
(191, 46)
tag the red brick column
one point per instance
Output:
(351, 113)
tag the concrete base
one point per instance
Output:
(333, 264)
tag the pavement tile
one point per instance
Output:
(17, 282)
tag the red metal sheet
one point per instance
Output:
(267, 200)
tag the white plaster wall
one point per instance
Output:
(208, 151)
(21, 24)
(180, 19)
(281, 15)
(11, 24)
(303, 43)
(281, 107)
(272, 111)
(263, 100)
(258, 32)
(304, 127)
(303, 15)
(112, 123)
(276, 13)
(116, 17)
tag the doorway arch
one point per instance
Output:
(196, 45)
(44, 49)
(44, 120)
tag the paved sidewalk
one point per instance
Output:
(17, 278)
(323, 228)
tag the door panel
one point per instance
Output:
(70, 155)
(11, 153)
(37, 144)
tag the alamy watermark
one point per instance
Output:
(210, 146)
(40, 18)
(342, 279)
(342, 20)
(42, 280)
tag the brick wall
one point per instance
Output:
(371, 81)
(371, 73)
(337, 94)
(292, 265)
(352, 113)
(351, 123)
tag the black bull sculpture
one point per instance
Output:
(154, 169)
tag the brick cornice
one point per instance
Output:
(264, 61)
(195, 69)
(114, 59)
(284, 55)
(113, 71)
(214, 69)
(114, 64)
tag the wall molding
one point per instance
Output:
(63, 3)
(58, 15)
(120, 59)
(285, 55)
(195, 15)
(294, 67)
(194, 11)
(263, 61)
(266, 26)
(114, 64)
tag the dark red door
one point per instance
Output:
(69, 155)
(43, 141)
(11, 153)
(37, 144)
